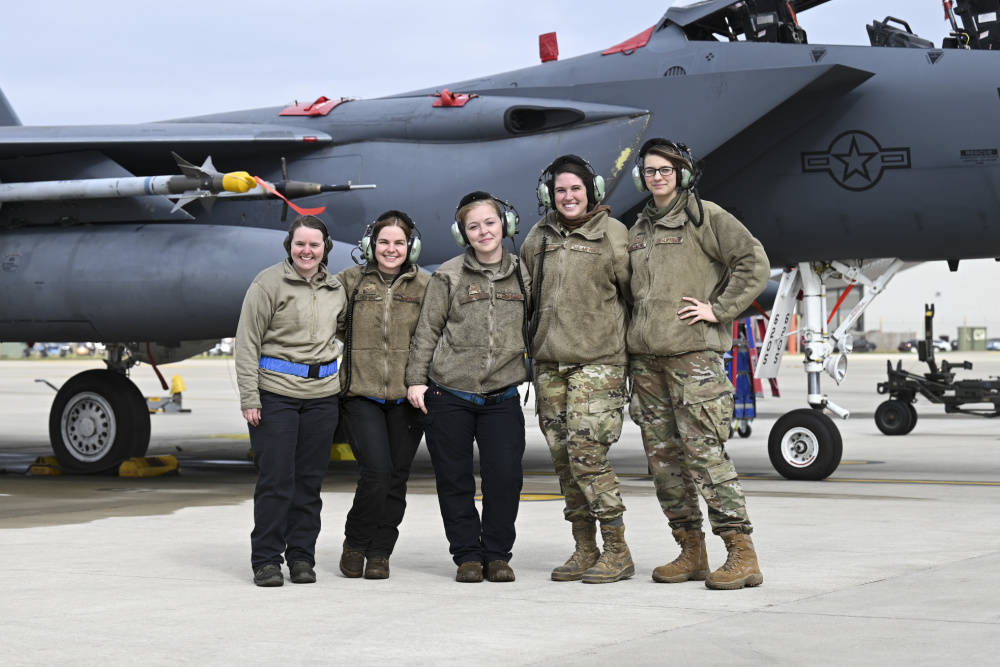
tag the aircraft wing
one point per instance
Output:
(40, 140)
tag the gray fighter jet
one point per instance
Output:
(844, 161)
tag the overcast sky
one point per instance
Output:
(118, 61)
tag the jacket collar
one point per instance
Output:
(408, 274)
(677, 216)
(592, 230)
(507, 263)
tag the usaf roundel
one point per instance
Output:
(855, 160)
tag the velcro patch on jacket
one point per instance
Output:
(672, 240)
(406, 299)
(550, 247)
(370, 293)
(638, 244)
(475, 293)
(585, 248)
(510, 296)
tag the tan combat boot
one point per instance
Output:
(692, 564)
(616, 561)
(586, 554)
(741, 567)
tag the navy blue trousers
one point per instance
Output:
(451, 425)
(384, 439)
(291, 447)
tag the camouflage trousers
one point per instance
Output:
(683, 406)
(580, 409)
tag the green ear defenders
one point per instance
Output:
(545, 192)
(686, 178)
(508, 216)
(367, 243)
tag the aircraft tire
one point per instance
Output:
(98, 419)
(805, 444)
(894, 417)
(744, 430)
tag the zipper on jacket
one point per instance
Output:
(385, 342)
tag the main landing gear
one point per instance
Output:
(99, 418)
(805, 444)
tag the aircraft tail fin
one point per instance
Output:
(7, 115)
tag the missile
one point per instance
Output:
(194, 183)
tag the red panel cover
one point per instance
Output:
(446, 98)
(321, 107)
(548, 47)
(631, 44)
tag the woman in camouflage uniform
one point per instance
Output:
(384, 429)
(695, 268)
(580, 273)
(466, 360)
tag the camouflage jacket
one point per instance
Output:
(381, 318)
(470, 334)
(286, 317)
(719, 263)
(583, 290)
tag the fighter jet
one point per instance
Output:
(845, 161)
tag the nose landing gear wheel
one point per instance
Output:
(98, 419)
(805, 444)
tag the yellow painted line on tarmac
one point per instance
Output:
(230, 436)
(944, 482)
(533, 497)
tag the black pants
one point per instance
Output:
(291, 447)
(384, 438)
(451, 426)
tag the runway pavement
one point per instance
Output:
(895, 559)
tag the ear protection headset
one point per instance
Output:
(686, 178)
(508, 216)
(547, 180)
(327, 241)
(367, 244)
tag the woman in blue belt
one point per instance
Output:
(286, 368)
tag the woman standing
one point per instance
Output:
(695, 268)
(385, 298)
(579, 266)
(286, 368)
(466, 361)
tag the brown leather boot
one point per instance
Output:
(586, 554)
(692, 564)
(352, 562)
(499, 571)
(615, 563)
(469, 572)
(377, 567)
(741, 567)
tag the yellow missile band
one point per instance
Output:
(238, 181)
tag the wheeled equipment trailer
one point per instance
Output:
(897, 416)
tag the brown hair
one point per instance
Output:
(309, 222)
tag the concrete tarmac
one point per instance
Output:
(895, 559)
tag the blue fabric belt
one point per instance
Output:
(483, 399)
(382, 401)
(314, 371)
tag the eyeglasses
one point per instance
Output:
(650, 172)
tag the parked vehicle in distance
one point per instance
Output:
(909, 345)
(993, 344)
(862, 344)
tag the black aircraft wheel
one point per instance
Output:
(913, 417)
(805, 444)
(98, 420)
(893, 417)
(744, 430)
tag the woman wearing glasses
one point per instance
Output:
(466, 360)
(577, 258)
(695, 268)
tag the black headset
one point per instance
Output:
(367, 244)
(508, 216)
(545, 192)
(327, 241)
(687, 179)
